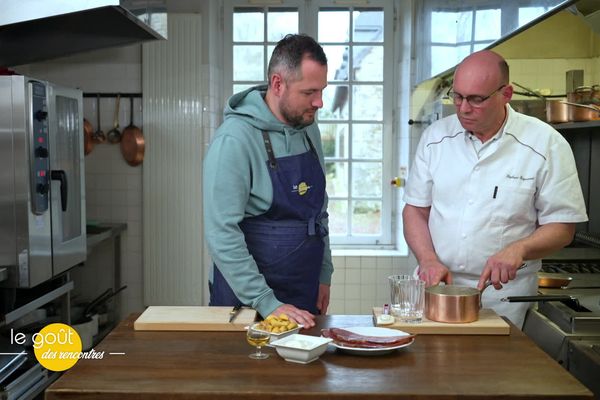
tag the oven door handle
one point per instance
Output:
(59, 175)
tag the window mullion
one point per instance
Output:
(265, 43)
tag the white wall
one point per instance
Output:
(174, 91)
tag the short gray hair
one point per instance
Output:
(289, 53)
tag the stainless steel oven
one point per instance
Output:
(42, 208)
(569, 330)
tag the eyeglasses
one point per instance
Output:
(473, 99)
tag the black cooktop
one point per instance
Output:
(575, 267)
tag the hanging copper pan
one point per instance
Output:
(88, 132)
(132, 142)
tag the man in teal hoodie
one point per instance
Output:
(265, 205)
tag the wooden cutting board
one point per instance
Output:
(192, 318)
(489, 323)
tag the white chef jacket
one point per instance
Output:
(483, 198)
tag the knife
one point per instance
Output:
(234, 312)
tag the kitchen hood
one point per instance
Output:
(590, 11)
(38, 30)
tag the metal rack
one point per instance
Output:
(37, 303)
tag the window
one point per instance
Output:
(451, 30)
(456, 34)
(528, 14)
(356, 118)
(256, 31)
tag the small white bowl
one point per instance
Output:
(301, 348)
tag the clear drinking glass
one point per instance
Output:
(395, 292)
(411, 293)
(257, 338)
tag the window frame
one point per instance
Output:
(509, 11)
(307, 23)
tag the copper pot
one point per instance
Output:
(583, 96)
(583, 112)
(88, 132)
(132, 142)
(595, 95)
(546, 281)
(556, 111)
(452, 303)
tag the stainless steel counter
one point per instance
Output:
(98, 233)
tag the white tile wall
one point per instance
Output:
(360, 283)
(113, 188)
(175, 107)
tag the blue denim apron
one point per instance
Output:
(287, 241)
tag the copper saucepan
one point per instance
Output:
(452, 303)
(582, 112)
(88, 133)
(556, 282)
(557, 112)
(132, 142)
(580, 103)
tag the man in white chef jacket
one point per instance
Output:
(489, 190)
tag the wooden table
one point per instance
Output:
(215, 365)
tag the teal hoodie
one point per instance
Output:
(237, 185)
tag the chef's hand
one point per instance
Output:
(501, 268)
(434, 272)
(294, 313)
(323, 299)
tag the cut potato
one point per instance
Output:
(276, 324)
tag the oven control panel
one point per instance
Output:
(38, 118)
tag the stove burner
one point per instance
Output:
(572, 268)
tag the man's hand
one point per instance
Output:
(501, 267)
(434, 272)
(418, 237)
(323, 299)
(300, 316)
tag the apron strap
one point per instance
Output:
(315, 227)
(312, 147)
(271, 154)
(269, 148)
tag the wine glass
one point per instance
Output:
(257, 338)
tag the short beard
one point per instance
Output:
(292, 117)
(295, 120)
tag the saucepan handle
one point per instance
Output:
(521, 299)
(489, 281)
